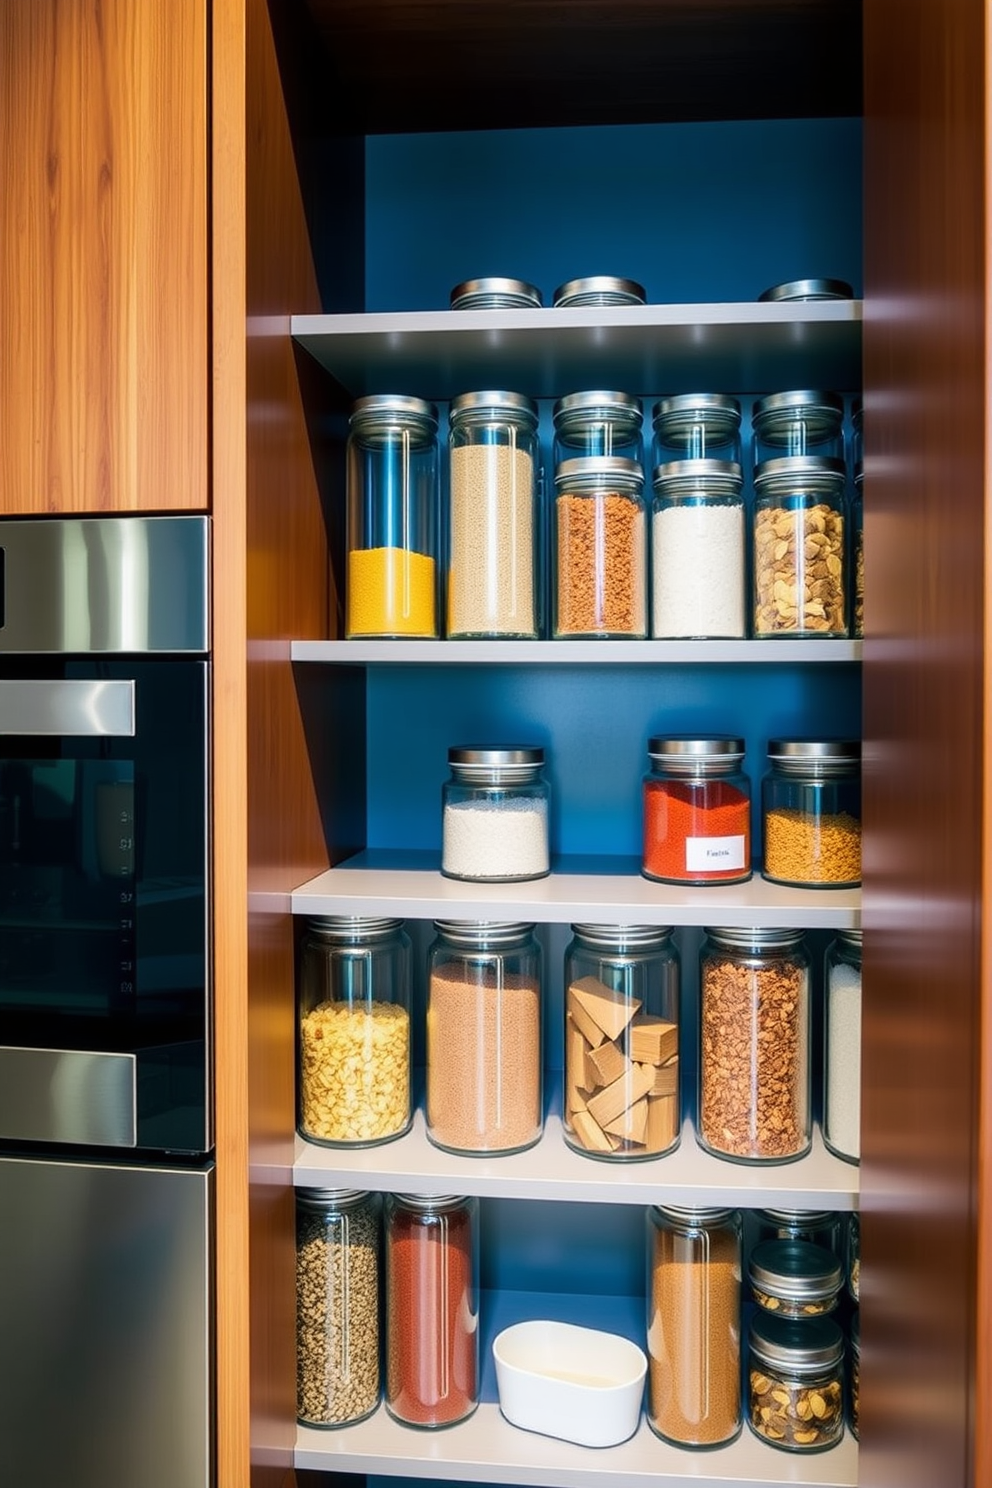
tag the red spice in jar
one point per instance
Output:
(431, 1310)
(689, 824)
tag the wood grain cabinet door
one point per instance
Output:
(103, 255)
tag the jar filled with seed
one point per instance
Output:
(819, 1226)
(600, 549)
(795, 1278)
(494, 811)
(392, 518)
(857, 585)
(854, 1376)
(796, 1382)
(484, 1037)
(337, 1305)
(599, 289)
(353, 1024)
(754, 1073)
(494, 539)
(811, 813)
(698, 550)
(495, 293)
(622, 1089)
(799, 558)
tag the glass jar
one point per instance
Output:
(811, 813)
(354, 1031)
(600, 554)
(795, 1278)
(854, 1257)
(598, 423)
(392, 499)
(494, 541)
(337, 1305)
(819, 1226)
(796, 1382)
(693, 1325)
(495, 815)
(697, 426)
(599, 289)
(854, 1376)
(622, 1089)
(754, 1075)
(842, 1046)
(857, 560)
(484, 1037)
(432, 1308)
(798, 424)
(697, 812)
(698, 550)
(800, 579)
(494, 293)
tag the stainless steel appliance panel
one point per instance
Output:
(69, 1095)
(50, 707)
(105, 1306)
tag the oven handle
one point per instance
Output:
(66, 706)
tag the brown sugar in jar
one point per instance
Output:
(600, 549)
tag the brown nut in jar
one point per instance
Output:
(796, 1382)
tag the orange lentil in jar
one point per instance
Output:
(601, 555)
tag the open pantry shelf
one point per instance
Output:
(739, 346)
(581, 653)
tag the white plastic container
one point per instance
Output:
(578, 1384)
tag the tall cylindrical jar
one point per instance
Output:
(857, 559)
(811, 813)
(494, 536)
(800, 548)
(696, 426)
(432, 1308)
(600, 549)
(622, 1088)
(337, 1305)
(796, 1382)
(800, 423)
(698, 550)
(754, 1037)
(494, 810)
(354, 1031)
(392, 520)
(842, 1046)
(484, 1037)
(696, 811)
(693, 1325)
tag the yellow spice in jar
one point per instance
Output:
(391, 592)
(354, 1071)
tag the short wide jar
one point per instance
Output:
(484, 1037)
(811, 813)
(796, 1382)
(495, 815)
(795, 1278)
(600, 550)
(697, 811)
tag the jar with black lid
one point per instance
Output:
(392, 518)
(811, 813)
(494, 811)
(337, 1305)
(754, 1037)
(697, 811)
(600, 549)
(800, 548)
(796, 1382)
(353, 1030)
(494, 293)
(484, 1037)
(622, 1087)
(697, 426)
(842, 1046)
(599, 289)
(819, 1226)
(698, 550)
(795, 1278)
(494, 536)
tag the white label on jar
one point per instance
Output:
(714, 854)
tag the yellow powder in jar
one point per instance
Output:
(391, 592)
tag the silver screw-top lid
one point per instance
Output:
(775, 417)
(381, 414)
(795, 1270)
(698, 477)
(497, 403)
(621, 937)
(792, 474)
(804, 1344)
(599, 472)
(677, 419)
(745, 938)
(477, 933)
(817, 758)
(694, 1216)
(809, 289)
(495, 293)
(600, 289)
(345, 928)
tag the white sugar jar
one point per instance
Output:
(495, 814)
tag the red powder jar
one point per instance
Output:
(697, 812)
(432, 1308)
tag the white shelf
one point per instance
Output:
(738, 347)
(551, 1171)
(372, 883)
(777, 652)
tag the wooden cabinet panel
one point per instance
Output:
(103, 255)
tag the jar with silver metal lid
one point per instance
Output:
(808, 289)
(494, 293)
(599, 289)
(698, 550)
(795, 1278)
(693, 1325)
(353, 1028)
(798, 424)
(494, 535)
(811, 813)
(800, 548)
(796, 1382)
(754, 1039)
(697, 811)
(622, 1087)
(392, 518)
(600, 549)
(857, 522)
(842, 1046)
(337, 1305)
(484, 1037)
(598, 422)
(495, 814)
(697, 426)
(819, 1226)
